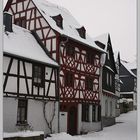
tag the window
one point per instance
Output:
(70, 51)
(110, 80)
(90, 57)
(107, 78)
(93, 113)
(99, 113)
(69, 79)
(21, 22)
(59, 20)
(85, 112)
(96, 113)
(88, 83)
(22, 111)
(82, 32)
(106, 108)
(110, 108)
(38, 75)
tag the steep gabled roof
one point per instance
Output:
(70, 25)
(105, 39)
(127, 66)
(21, 43)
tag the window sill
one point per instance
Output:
(22, 124)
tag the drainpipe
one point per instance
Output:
(100, 91)
(58, 82)
(1, 70)
(102, 59)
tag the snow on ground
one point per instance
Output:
(124, 129)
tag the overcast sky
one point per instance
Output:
(117, 17)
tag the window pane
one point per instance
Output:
(22, 111)
(38, 75)
(93, 113)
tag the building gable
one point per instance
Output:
(109, 61)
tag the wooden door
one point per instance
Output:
(72, 120)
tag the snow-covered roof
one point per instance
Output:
(116, 53)
(21, 43)
(126, 100)
(103, 39)
(127, 66)
(49, 10)
(132, 65)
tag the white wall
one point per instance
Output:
(35, 116)
(109, 99)
(9, 114)
(63, 121)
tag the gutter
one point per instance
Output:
(99, 50)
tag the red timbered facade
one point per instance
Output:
(68, 43)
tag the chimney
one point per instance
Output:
(7, 21)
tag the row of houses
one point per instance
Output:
(56, 77)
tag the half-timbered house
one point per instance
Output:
(128, 89)
(30, 80)
(78, 57)
(109, 97)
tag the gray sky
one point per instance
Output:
(117, 17)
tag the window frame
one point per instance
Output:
(88, 83)
(106, 108)
(93, 113)
(19, 112)
(42, 76)
(85, 112)
(70, 51)
(69, 79)
(90, 57)
(20, 20)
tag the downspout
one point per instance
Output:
(1, 70)
(102, 61)
(58, 82)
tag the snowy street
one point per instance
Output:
(125, 129)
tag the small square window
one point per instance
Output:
(39, 75)
(22, 111)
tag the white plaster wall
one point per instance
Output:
(9, 114)
(63, 121)
(109, 99)
(90, 126)
(36, 117)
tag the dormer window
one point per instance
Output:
(82, 32)
(59, 20)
